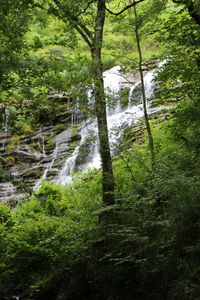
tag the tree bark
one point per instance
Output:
(100, 105)
(150, 137)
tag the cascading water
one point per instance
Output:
(63, 162)
(112, 80)
(7, 190)
(117, 117)
(60, 148)
(88, 129)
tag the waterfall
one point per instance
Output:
(43, 147)
(88, 129)
(61, 146)
(118, 118)
(112, 80)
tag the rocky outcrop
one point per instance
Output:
(25, 159)
(7, 193)
(25, 153)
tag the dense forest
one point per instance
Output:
(99, 150)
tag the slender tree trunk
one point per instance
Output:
(100, 105)
(150, 137)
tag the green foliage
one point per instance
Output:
(4, 214)
(23, 126)
(44, 238)
(14, 23)
(62, 243)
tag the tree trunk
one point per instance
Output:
(100, 105)
(95, 45)
(150, 137)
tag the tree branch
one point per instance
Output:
(77, 24)
(124, 9)
(82, 33)
(83, 27)
(85, 9)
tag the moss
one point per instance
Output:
(5, 175)
(72, 147)
(33, 173)
(50, 145)
(85, 150)
(13, 143)
(75, 129)
(60, 127)
(10, 160)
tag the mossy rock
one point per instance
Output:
(75, 129)
(10, 161)
(33, 174)
(60, 127)
(3, 162)
(75, 138)
(84, 151)
(13, 143)
(5, 175)
(72, 147)
(50, 145)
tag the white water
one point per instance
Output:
(64, 175)
(7, 191)
(43, 147)
(61, 139)
(117, 118)
(42, 142)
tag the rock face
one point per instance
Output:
(7, 189)
(41, 155)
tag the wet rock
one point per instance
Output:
(84, 152)
(3, 161)
(7, 190)
(34, 173)
(5, 175)
(136, 96)
(52, 173)
(75, 138)
(25, 153)
(23, 160)
(60, 96)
